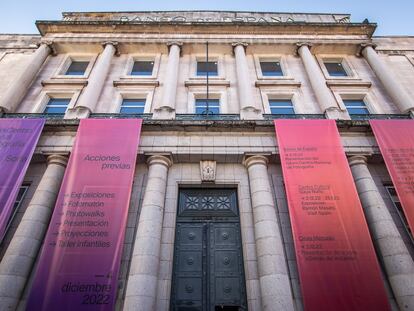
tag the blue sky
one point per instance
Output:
(394, 17)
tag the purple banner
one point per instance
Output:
(80, 260)
(18, 139)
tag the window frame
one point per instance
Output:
(359, 107)
(127, 94)
(48, 105)
(346, 65)
(215, 93)
(25, 185)
(282, 99)
(45, 96)
(400, 211)
(210, 99)
(125, 99)
(363, 94)
(216, 73)
(195, 58)
(132, 58)
(67, 61)
(272, 58)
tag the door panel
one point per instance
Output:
(188, 267)
(208, 264)
(226, 265)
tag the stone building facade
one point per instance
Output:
(262, 66)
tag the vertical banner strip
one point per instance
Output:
(18, 139)
(80, 260)
(338, 269)
(396, 141)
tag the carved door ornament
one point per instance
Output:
(208, 170)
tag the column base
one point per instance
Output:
(77, 113)
(250, 113)
(336, 114)
(164, 113)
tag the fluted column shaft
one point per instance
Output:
(272, 268)
(398, 263)
(20, 256)
(167, 107)
(18, 88)
(324, 96)
(141, 291)
(89, 98)
(398, 93)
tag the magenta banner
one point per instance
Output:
(18, 139)
(79, 264)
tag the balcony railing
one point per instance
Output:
(293, 116)
(145, 116)
(210, 117)
(214, 117)
(364, 117)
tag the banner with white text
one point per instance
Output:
(396, 141)
(18, 139)
(338, 268)
(80, 259)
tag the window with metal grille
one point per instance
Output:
(132, 106)
(281, 106)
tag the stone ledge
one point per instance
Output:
(136, 82)
(277, 82)
(348, 83)
(203, 82)
(68, 81)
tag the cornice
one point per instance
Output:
(46, 27)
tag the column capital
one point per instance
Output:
(250, 160)
(58, 159)
(358, 160)
(239, 43)
(114, 44)
(364, 45)
(179, 44)
(300, 44)
(161, 158)
(50, 44)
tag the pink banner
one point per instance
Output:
(338, 269)
(396, 141)
(18, 139)
(80, 259)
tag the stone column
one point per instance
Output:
(398, 93)
(324, 96)
(398, 263)
(90, 95)
(18, 88)
(272, 267)
(166, 109)
(248, 108)
(141, 291)
(20, 256)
